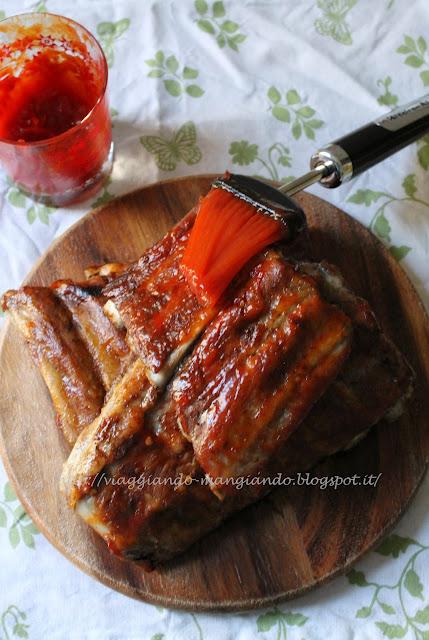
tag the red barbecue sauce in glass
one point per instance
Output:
(55, 130)
(54, 92)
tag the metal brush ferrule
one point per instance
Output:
(341, 167)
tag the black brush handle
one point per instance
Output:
(358, 151)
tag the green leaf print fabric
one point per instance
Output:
(253, 86)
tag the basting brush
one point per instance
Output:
(240, 215)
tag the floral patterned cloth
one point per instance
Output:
(254, 85)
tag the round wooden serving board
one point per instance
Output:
(298, 537)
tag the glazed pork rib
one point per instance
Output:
(62, 357)
(154, 522)
(78, 349)
(374, 383)
(121, 419)
(259, 368)
(154, 302)
(150, 502)
(105, 341)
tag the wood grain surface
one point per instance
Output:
(297, 538)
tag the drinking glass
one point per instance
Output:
(55, 129)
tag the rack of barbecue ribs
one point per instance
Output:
(168, 404)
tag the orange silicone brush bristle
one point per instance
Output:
(227, 232)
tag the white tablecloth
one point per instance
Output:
(255, 85)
